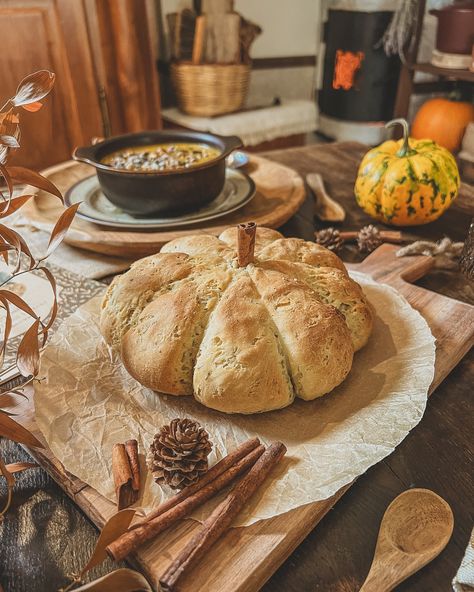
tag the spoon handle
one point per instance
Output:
(374, 582)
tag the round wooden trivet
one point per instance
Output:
(280, 193)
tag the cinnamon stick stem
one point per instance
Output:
(246, 243)
(222, 517)
(388, 236)
(131, 448)
(220, 467)
(122, 473)
(148, 529)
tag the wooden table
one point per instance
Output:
(45, 537)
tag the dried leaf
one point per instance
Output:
(6, 329)
(17, 301)
(4, 248)
(8, 180)
(13, 205)
(54, 308)
(10, 484)
(12, 237)
(61, 227)
(7, 474)
(9, 121)
(23, 175)
(20, 466)
(28, 355)
(33, 107)
(9, 141)
(125, 580)
(33, 88)
(8, 127)
(12, 430)
(113, 528)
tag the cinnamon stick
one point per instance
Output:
(246, 242)
(131, 448)
(123, 477)
(220, 467)
(145, 530)
(387, 236)
(222, 517)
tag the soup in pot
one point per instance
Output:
(161, 157)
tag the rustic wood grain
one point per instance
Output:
(335, 556)
(246, 557)
(280, 192)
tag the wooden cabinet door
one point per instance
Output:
(97, 48)
(51, 34)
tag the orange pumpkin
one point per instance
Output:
(443, 121)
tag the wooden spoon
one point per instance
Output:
(325, 208)
(415, 528)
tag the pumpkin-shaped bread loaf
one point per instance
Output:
(191, 321)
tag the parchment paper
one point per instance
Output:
(87, 402)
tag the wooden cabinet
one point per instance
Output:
(103, 53)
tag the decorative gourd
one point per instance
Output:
(406, 182)
(443, 121)
(196, 319)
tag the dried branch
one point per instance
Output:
(16, 253)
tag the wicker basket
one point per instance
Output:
(210, 89)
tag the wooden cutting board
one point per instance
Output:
(279, 194)
(246, 557)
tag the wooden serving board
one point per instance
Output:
(280, 193)
(246, 557)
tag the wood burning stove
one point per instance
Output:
(359, 80)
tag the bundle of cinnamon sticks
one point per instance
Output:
(250, 457)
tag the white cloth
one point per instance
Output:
(464, 579)
(254, 127)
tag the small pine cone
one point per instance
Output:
(368, 239)
(329, 238)
(178, 453)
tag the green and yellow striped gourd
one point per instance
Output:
(406, 182)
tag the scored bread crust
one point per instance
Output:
(189, 321)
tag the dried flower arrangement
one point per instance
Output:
(17, 255)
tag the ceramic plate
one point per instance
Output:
(238, 190)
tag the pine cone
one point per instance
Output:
(368, 239)
(329, 238)
(178, 453)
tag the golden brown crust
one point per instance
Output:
(315, 337)
(336, 288)
(243, 340)
(299, 250)
(239, 367)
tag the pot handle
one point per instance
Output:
(434, 12)
(85, 154)
(230, 143)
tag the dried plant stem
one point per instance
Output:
(76, 579)
(10, 483)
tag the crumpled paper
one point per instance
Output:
(87, 402)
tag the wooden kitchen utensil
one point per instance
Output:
(325, 207)
(415, 528)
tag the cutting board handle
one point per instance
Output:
(383, 264)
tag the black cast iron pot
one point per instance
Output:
(160, 192)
